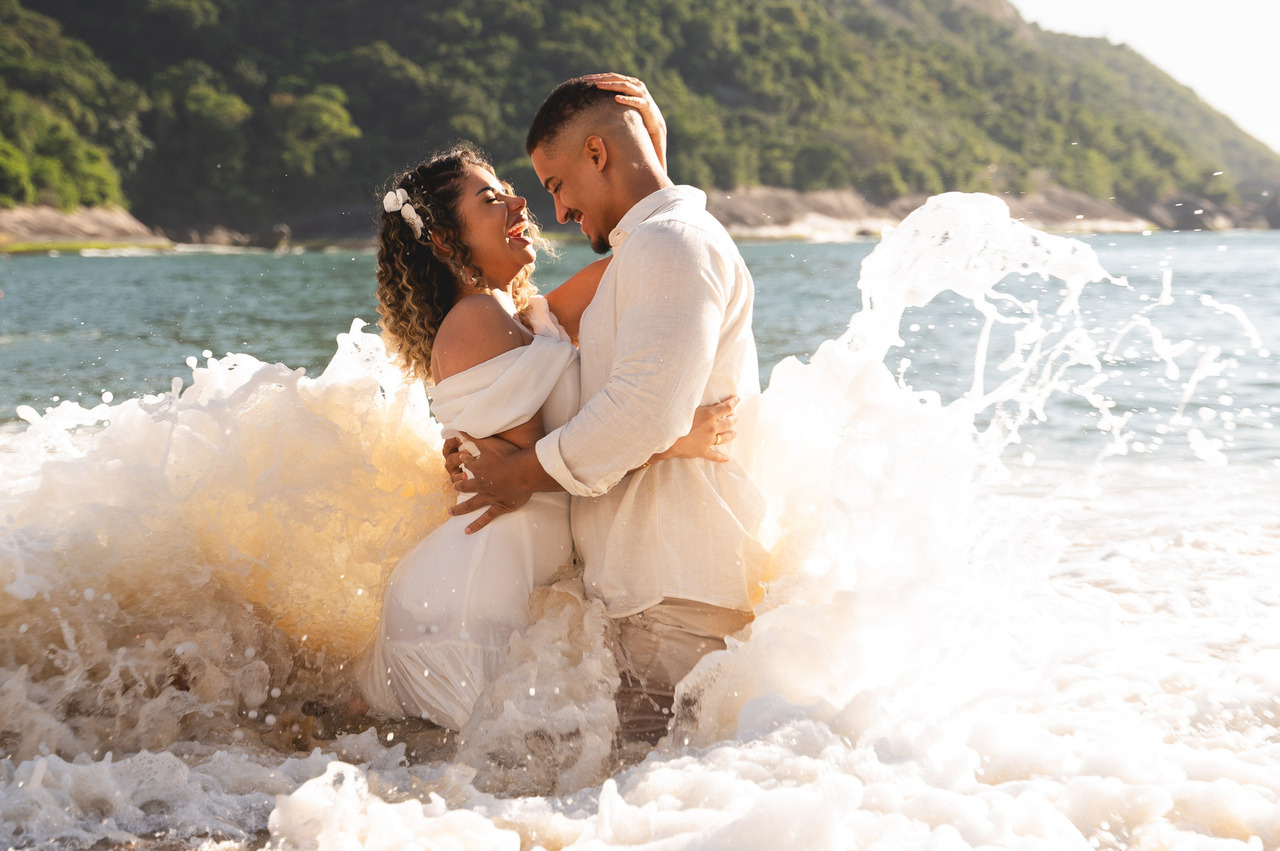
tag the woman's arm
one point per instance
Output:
(634, 93)
(571, 298)
(712, 427)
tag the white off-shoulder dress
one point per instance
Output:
(454, 600)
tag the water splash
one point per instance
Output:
(184, 577)
(873, 532)
(173, 561)
(546, 723)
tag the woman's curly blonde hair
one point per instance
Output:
(418, 279)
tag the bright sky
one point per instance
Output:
(1225, 50)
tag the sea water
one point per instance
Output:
(1023, 592)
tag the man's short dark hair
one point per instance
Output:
(566, 101)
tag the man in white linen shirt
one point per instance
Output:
(669, 548)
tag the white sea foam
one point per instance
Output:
(950, 654)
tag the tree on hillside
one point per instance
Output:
(243, 114)
(68, 128)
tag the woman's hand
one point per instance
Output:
(453, 459)
(633, 93)
(712, 427)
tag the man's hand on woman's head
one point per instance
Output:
(633, 93)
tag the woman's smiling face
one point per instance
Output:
(495, 224)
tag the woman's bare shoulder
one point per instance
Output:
(476, 329)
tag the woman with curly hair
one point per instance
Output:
(458, 307)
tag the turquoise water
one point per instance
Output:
(74, 327)
(951, 653)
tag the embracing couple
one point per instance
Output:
(613, 447)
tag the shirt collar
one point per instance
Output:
(650, 205)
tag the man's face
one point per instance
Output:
(575, 181)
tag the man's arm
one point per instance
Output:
(504, 477)
(671, 309)
(671, 305)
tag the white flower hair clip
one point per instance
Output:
(399, 200)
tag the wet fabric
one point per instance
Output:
(655, 649)
(453, 601)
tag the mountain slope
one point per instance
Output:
(255, 112)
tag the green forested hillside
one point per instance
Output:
(68, 127)
(246, 112)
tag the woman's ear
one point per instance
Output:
(441, 249)
(594, 149)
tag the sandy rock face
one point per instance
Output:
(765, 212)
(1061, 209)
(38, 224)
(771, 213)
(1189, 212)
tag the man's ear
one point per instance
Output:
(594, 149)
